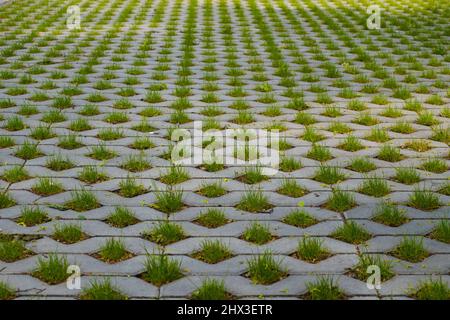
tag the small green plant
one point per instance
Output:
(319, 153)
(165, 233)
(6, 200)
(407, 175)
(28, 151)
(15, 174)
(362, 165)
(424, 200)
(82, 200)
(375, 187)
(59, 163)
(32, 216)
(265, 269)
(68, 233)
(113, 250)
(432, 290)
(299, 218)
(289, 164)
(129, 188)
(257, 233)
(329, 175)
(254, 201)
(351, 232)
(366, 261)
(47, 187)
(411, 249)
(435, 166)
(6, 292)
(324, 288)
(12, 250)
(168, 201)
(212, 251)
(121, 218)
(253, 175)
(390, 215)
(389, 153)
(70, 142)
(212, 190)
(291, 188)
(442, 231)
(52, 270)
(212, 218)
(312, 250)
(211, 289)
(101, 152)
(351, 144)
(91, 175)
(102, 290)
(136, 163)
(160, 269)
(175, 175)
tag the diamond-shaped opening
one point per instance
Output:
(292, 189)
(212, 218)
(212, 190)
(13, 247)
(212, 252)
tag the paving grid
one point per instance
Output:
(286, 59)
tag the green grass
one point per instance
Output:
(28, 151)
(362, 165)
(292, 189)
(91, 175)
(435, 166)
(432, 290)
(254, 201)
(82, 200)
(102, 290)
(52, 270)
(129, 188)
(59, 162)
(175, 175)
(6, 200)
(6, 292)
(265, 269)
(411, 249)
(212, 218)
(407, 176)
(329, 175)
(257, 233)
(121, 217)
(47, 187)
(101, 153)
(390, 154)
(31, 216)
(169, 200)
(289, 164)
(351, 232)
(212, 251)
(366, 260)
(300, 218)
(212, 190)
(424, 200)
(375, 187)
(12, 250)
(113, 250)
(165, 233)
(211, 289)
(319, 153)
(15, 174)
(253, 175)
(312, 250)
(340, 201)
(160, 269)
(68, 233)
(136, 163)
(324, 288)
(442, 231)
(390, 215)
(351, 144)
